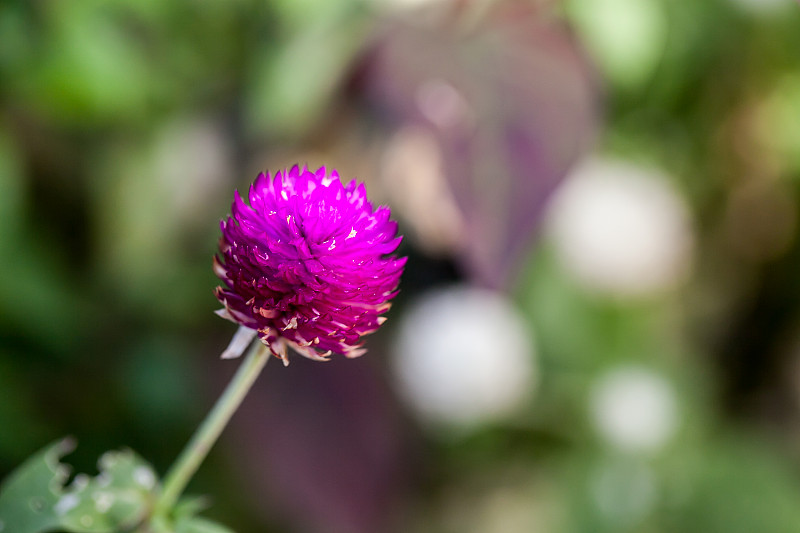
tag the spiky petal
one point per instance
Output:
(307, 263)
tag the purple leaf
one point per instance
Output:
(511, 102)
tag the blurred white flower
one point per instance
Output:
(463, 356)
(624, 492)
(621, 229)
(634, 409)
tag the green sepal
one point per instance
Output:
(33, 499)
(189, 507)
(184, 518)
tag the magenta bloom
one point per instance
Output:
(306, 264)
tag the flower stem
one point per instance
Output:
(206, 435)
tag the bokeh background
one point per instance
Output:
(599, 324)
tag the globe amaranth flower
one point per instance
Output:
(307, 264)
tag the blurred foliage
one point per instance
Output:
(125, 126)
(34, 497)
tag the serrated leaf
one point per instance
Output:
(34, 499)
(199, 525)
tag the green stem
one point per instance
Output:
(206, 435)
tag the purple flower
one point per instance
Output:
(306, 264)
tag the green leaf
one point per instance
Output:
(34, 500)
(29, 495)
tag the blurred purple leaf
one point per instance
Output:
(512, 103)
(323, 446)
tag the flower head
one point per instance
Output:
(307, 263)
